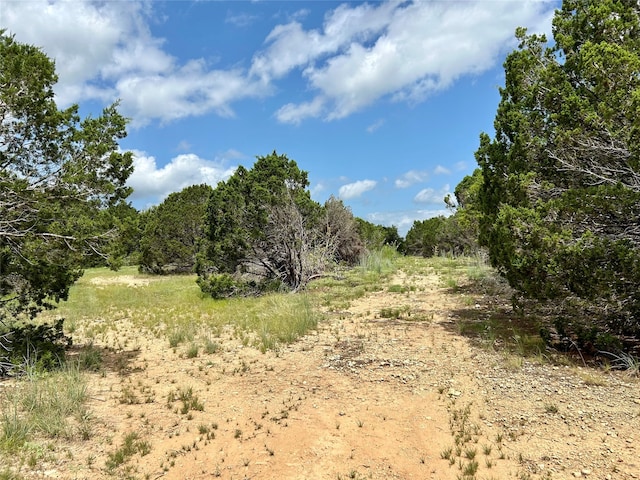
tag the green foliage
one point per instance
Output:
(131, 445)
(174, 306)
(453, 235)
(262, 226)
(561, 192)
(381, 261)
(424, 237)
(174, 232)
(377, 236)
(33, 347)
(59, 176)
(223, 285)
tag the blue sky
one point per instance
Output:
(381, 102)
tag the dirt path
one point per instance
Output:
(363, 397)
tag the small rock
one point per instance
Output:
(586, 471)
(577, 474)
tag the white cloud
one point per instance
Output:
(395, 50)
(291, 47)
(356, 189)
(375, 126)
(440, 170)
(432, 196)
(151, 184)
(92, 44)
(240, 19)
(404, 51)
(411, 178)
(189, 91)
(292, 113)
(105, 51)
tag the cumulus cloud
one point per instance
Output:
(411, 178)
(404, 51)
(432, 196)
(291, 47)
(395, 50)
(151, 184)
(189, 91)
(105, 51)
(356, 189)
(440, 170)
(294, 114)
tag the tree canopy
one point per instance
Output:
(59, 176)
(456, 234)
(561, 192)
(264, 231)
(174, 231)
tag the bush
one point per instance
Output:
(34, 346)
(224, 285)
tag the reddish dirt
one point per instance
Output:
(361, 397)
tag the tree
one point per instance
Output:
(376, 236)
(341, 232)
(174, 232)
(261, 223)
(456, 234)
(424, 237)
(561, 191)
(58, 176)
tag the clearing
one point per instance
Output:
(389, 386)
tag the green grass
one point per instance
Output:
(100, 309)
(131, 445)
(44, 405)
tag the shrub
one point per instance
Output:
(34, 346)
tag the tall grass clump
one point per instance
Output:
(380, 262)
(276, 319)
(44, 405)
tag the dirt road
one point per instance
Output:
(362, 397)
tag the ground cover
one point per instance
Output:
(404, 368)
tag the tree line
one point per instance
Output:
(555, 201)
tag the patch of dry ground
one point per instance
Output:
(363, 397)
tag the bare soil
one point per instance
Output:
(361, 397)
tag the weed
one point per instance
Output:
(128, 397)
(550, 408)
(43, 404)
(625, 361)
(130, 446)
(90, 358)
(470, 453)
(6, 474)
(192, 351)
(210, 346)
(394, 312)
(446, 453)
(396, 289)
(470, 469)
